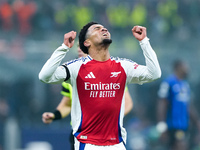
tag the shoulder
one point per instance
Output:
(169, 82)
(66, 90)
(170, 79)
(81, 60)
(123, 60)
(66, 85)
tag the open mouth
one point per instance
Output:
(105, 34)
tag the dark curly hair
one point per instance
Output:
(82, 35)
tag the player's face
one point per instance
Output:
(183, 69)
(97, 34)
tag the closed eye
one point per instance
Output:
(96, 28)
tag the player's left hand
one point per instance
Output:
(139, 32)
(69, 38)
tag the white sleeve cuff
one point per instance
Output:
(64, 46)
(145, 40)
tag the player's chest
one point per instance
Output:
(102, 72)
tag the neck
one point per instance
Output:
(99, 53)
(179, 76)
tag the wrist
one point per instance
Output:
(65, 46)
(143, 41)
(57, 115)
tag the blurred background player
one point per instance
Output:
(174, 107)
(64, 107)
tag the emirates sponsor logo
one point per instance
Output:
(102, 90)
(102, 86)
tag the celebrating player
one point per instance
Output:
(98, 83)
(64, 107)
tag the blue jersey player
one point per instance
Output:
(174, 106)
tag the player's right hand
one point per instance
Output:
(69, 38)
(139, 32)
(48, 117)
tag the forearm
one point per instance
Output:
(64, 110)
(51, 72)
(128, 103)
(64, 106)
(153, 70)
(128, 108)
(162, 109)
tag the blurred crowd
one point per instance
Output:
(17, 15)
(28, 16)
(31, 29)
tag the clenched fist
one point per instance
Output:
(69, 38)
(48, 117)
(139, 32)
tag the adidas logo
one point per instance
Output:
(90, 75)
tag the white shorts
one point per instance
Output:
(82, 146)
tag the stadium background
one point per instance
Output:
(31, 30)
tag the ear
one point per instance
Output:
(87, 43)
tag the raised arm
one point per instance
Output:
(151, 70)
(52, 72)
